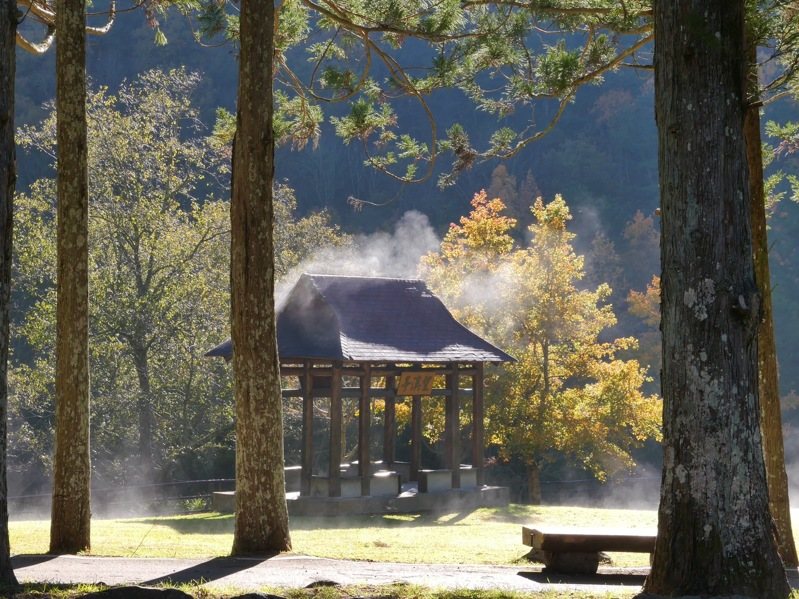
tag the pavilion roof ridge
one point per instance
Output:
(368, 319)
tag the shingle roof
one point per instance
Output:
(370, 319)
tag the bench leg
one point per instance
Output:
(571, 563)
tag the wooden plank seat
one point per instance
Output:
(577, 550)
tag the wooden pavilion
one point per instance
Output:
(396, 340)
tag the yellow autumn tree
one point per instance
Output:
(569, 394)
(645, 305)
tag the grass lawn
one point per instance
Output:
(484, 536)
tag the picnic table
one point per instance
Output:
(573, 550)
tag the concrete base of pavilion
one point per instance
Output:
(408, 501)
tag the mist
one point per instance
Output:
(393, 254)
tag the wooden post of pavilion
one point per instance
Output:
(307, 430)
(390, 424)
(364, 423)
(334, 466)
(478, 423)
(416, 436)
(452, 427)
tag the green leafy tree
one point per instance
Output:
(569, 393)
(147, 234)
(158, 270)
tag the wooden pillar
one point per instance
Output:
(334, 466)
(364, 424)
(478, 424)
(452, 437)
(390, 424)
(307, 430)
(416, 436)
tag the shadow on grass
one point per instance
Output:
(213, 569)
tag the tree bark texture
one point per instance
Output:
(8, 179)
(715, 534)
(768, 376)
(261, 513)
(69, 530)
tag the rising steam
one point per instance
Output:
(383, 254)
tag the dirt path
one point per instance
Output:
(300, 571)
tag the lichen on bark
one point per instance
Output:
(714, 529)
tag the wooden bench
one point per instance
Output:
(577, 550)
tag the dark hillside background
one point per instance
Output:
(602, 157)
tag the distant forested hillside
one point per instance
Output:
(601, 157)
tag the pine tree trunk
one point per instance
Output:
(714, 528)
(770, 416)
(261, 512)
(533, 484)
(8, 178)
(69, 530)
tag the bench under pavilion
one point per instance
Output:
(396, 340)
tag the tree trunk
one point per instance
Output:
(533, 484)
(69, 530)
(261, 512)
(8, 179)
(146, 414)
(714, 530)
(770, 416)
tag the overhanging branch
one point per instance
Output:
(112, 14)
(42, 13)
(37, 48)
